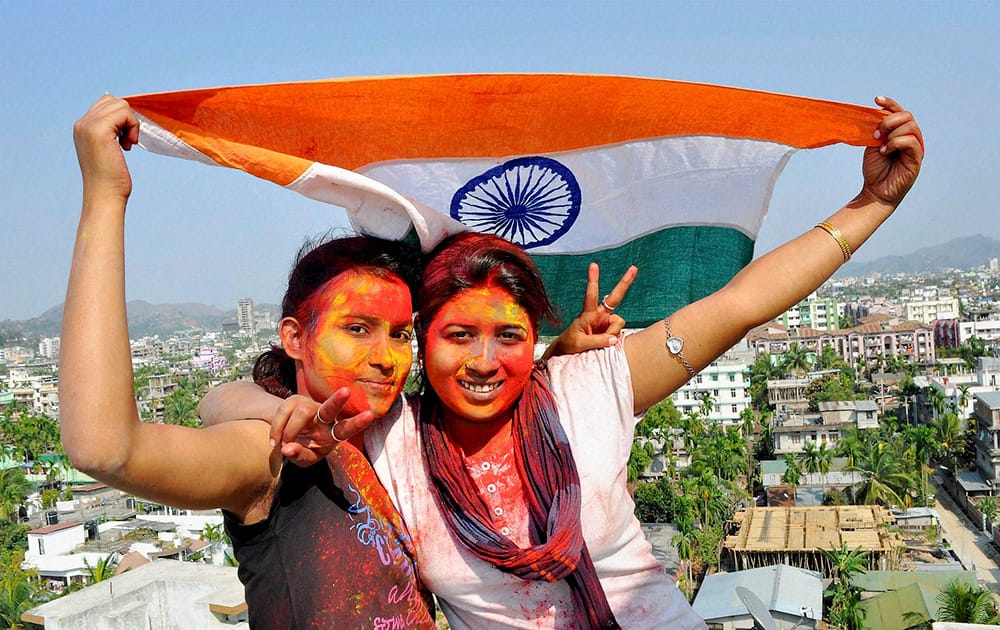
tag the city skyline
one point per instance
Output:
(211, 236)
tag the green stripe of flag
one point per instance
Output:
(677, 266)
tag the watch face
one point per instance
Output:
(675, 344)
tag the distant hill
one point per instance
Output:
(961, 253)
(144, 319)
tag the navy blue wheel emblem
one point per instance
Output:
(531, 201)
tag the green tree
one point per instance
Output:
(989, 507)
(937, 400)
(762, 370)
(816, 459)
(947, 431)
(796, 359)
(639, 460)
(652, 503)
(14, 490)
(105, 568)
(884, 476)
(181, 407)
(959, 602)
(845, 609)
(830, 387)
(793, 471)
(215, 535)
(18, 592)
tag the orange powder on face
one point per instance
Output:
(479, 355)
(361, 340)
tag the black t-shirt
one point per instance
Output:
(332, 553)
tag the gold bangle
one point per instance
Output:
(845, 249)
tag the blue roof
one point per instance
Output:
(992, 399)
(782, 588)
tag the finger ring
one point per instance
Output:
(607, 307)
(320, 419)
(333, 432)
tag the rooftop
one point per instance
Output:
(164, 594)
(781, 587)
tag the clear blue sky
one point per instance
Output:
(200, 234)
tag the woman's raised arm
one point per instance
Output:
(228, 466)
(702, 331)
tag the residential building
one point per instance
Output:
(878, 336)
(49, 347)
(244, 317)
(788, 394)
(792, 430)
(793, 598)
(986, 411)
(927, 311)
(813, 312)
(726, 381)
(812, 487)
(986, 329)
(54, 540)
(163, 594)
(208, 360)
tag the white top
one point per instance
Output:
(593, 394)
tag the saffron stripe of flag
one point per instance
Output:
(674, 177)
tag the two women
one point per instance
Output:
(318, 547)
(528, 522)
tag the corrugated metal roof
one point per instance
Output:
(781, 587)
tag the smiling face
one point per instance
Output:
(479, 354)
(360, 339)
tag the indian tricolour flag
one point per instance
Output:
(673, 177)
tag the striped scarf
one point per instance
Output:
(546, 465)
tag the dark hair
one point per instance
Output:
(315, 266)
(470, 259)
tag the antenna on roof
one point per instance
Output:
(761, 616)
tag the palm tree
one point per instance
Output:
(965, 603)
(852, 443)
(845, 608)
(684, 542)
(963, 396)
(796, 359)
(17, 592)
(180, 407)
(816, 459)
(707, 404)
(884, 478)
(937, 400)
(793, 471)
(948, 435)
(14, 491)
(104, 569)
(639, 460)
(923, 446)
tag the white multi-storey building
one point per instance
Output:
(49, 347)
(244, 317)
(927, 311)
(986, 329)
(726, 381)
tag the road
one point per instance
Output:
(970, 544)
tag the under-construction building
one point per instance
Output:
(797, 536)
